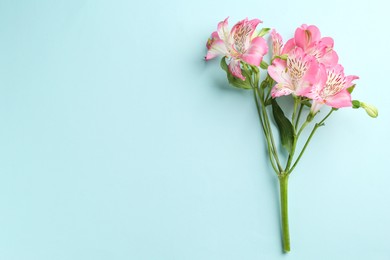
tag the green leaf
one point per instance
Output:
(351, 88)
(285, 127)
(264, 65)
(268, 102)
(263, 32)
(236, 82)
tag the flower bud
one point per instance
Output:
(311, 116)
(356, 104)
(370, 109)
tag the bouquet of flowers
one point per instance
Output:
(305, 68)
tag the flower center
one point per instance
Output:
(334, 84)
(296, 68)
(241, 38)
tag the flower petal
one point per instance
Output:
(330, 58)
(316, 105)
(289, 46)
(349, 79)
(278, 72)
(235, 69)
(241, 34)
(314, 92)
(257, 49)
(281, 89)
(341, 99)
(223, 30)
(305, 36)
(217, 47)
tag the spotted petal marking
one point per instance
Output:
(335, 83)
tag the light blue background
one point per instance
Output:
(117, 141)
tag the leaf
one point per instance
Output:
(224, 66)
(351, 88)
(268, 102)
(263, 32)
(285, 127)
(236, 82)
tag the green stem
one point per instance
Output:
(299, 115)
(295, 137)
(261, 108)
(316, 126)
(291, 155)
(302, 127)
(271, 137)
(256, 95)
(283, 184)
(304, 147)
(296, 102)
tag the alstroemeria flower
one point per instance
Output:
(309, 39)
(240, 44)
(295, 76)
(332, 88)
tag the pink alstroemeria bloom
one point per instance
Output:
(240, 44)
(332, 88)
(295, 76)
(308, 37)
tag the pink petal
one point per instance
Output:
(247, 25)
(305, 36)
(214, 36)
(316, 105)
(349, 79)
(217, 47)
(242, 34)
(330, 58)
(341, 99)
(311, 75)
(257, 49)
(281, 89)
(315, 33)
(253, 24)
(318, 85)
(278, 72)
(235, 69)
(338, 69)
(328, 42)
(289, 46)
(223, 30)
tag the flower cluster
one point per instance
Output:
(311, 69)
(305, 68)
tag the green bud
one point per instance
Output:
(310, 116)
(356, 104)
(255, 69)
(284, 57)
(370, 109)
(263, 65)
